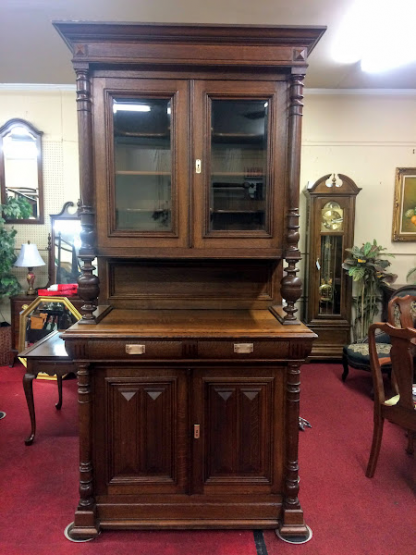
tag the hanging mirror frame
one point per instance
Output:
(33, 189)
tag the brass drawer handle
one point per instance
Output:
(135, 349)
(243, 348)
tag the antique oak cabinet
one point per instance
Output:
(330, 231)
(189, 348)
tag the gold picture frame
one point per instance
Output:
(404, 211)
(41, 306)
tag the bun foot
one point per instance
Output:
(78, 535)
(289, 537)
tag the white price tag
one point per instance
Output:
(318, 265)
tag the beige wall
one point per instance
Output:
(365, 136)
(52, 110)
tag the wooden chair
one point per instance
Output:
(399, 409)
(401, 313)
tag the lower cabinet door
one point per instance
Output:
(211, 431)
(140, 431)
(239, 443)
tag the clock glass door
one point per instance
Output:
(331, 252)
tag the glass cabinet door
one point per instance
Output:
(234, 165)
(143, 164)
(238, 176)
(143, 184)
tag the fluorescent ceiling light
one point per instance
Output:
(132, 107)
(380, 33)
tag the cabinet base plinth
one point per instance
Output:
(80, 534)
(294, 534)
(85, 526)
(188, 524)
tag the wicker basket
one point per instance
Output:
(5, 344)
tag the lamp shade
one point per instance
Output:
(29, 256)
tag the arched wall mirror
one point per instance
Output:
(21, 167)
(63, 245)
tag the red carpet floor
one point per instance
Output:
(348, 513)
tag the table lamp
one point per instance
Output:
(29, 257)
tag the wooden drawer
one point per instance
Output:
(243, 349)
(137, 349)
(134, 349)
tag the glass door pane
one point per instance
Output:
(331, 275)
(143, 164)
(238, 183)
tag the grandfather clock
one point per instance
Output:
(330, 230)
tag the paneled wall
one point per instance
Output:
(363, 134)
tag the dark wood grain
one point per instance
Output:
(188, 382)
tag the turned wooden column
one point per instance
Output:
(291, 284)
(88, 283)
(292, 522)
(85, 526)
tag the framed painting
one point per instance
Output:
(404, 211)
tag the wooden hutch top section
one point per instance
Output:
(192, 64)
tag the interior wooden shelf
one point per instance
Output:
(243, 138)
(225, 211)
(134, 172)
(239, 174)
(143, 209)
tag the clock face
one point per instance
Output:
(332, 220)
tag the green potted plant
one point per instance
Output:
(368, 269)
(14, 208)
